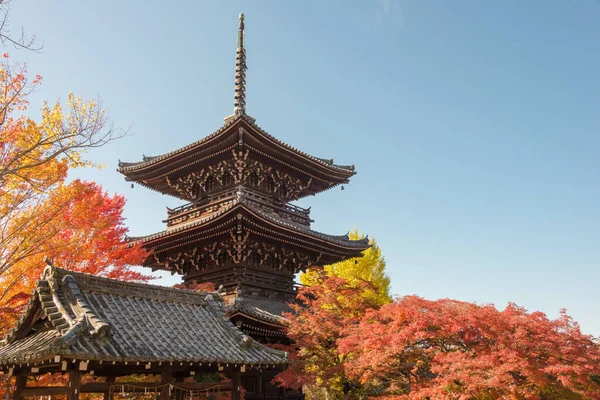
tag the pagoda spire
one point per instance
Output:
(239, 105)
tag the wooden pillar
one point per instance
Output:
(259, 388)
(166, 377)
(20, 383)
(74, 384)
(235, 385)
(109, 395)
(178, 393)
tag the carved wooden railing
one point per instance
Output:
(186, 212)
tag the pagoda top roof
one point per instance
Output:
(184, 172)
(95, 318)
(149, 161)
(241, 202)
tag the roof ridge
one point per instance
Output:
(96, 325)
(138, 335)
(101, 284)
(51, 304)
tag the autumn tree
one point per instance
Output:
(19, 41)
(356, 271)
(319, 319)
(331, 295)
(446, 349)
(41, 212)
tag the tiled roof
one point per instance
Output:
(132, 166)
(94, 318)
(265, 310)
(343, 240)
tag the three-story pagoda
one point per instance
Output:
(239, 228)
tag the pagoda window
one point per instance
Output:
(222, 258)
(274, 262)
(227, 180)
(253, 180)
(201, 265)
(210, 184)
(254, 259)
(283, 191)
(268, 185)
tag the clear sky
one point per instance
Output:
(474, 125)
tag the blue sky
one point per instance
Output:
(474, 126)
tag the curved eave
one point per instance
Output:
(149, 165)
(293, 152)
(24, 317)
(130, 167)
(301, 235)
(271, 322)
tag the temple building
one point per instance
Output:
(239, 228)
(96, 329)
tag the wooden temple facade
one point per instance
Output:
(238, 229)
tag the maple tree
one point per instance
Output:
(43, 214)
(21, 41)
(80, 228)
(319, 319)
(355, 271)
(332, 296)
(412, 348)
(446, 349)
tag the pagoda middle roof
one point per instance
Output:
(151, 162)
(95, 318)
(241, 202)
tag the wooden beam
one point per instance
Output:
(103, 387)
(20, 384)
(108, 395)
(235, 385)
(74, 384)
(37, 391)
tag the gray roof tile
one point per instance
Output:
(106, 319)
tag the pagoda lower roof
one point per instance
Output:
(84, 317)
(263, 310)
(240, 203)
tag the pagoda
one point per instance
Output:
(239, 228)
